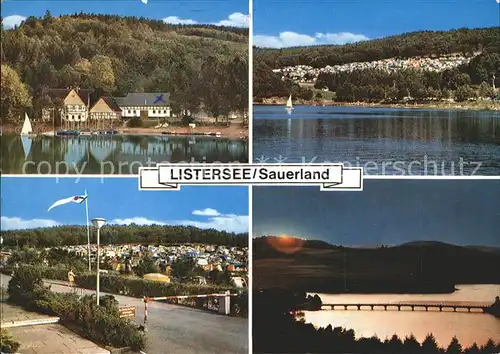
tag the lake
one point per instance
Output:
(385, 141)
(118, 154)
(468, 327)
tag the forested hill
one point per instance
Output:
(425, 43)
(115, 55)
(114, 234)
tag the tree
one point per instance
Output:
(146, 265)
(101, 74)
(464, 93)
(486, 91)
(14, 95)
(429, 345)
(454, 347)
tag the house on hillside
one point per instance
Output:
(104, 112)
(70, 106)
(144, 105)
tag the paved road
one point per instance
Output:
(180, 330)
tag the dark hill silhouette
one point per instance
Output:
(419, 266)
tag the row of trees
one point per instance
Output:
(201, 66)
(375, 86)
(114, 234)
(276, 330)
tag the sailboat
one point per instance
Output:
(289, 106)
(27, 130)
(26, 140)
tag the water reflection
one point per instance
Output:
(468, 328)
(382, 138)
(112, 154)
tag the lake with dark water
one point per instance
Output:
(467, 327)
(117, 154)
(385, 141)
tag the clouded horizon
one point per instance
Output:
(295, 23)
(25, 202)
(386, 212)
(229, 14)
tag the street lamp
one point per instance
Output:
(98, 223)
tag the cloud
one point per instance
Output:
(294, 39)
(236, 19)
(206, 212)
(174, 20)
(213, 220)
(15, 223)
(223, 222)
(138, 220)
(12, 21)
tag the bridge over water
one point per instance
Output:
(414, 306)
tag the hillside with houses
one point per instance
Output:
(459, 65)
(86, 71)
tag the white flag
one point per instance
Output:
(76, 199)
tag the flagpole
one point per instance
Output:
(88, 227)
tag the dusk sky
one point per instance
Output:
(386, 212)
(25, 202)
(219, 12)
(287, 23)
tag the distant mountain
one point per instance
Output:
(417, 266)
(406, 45)
(484, 248)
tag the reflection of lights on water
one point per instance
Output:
(286, 244)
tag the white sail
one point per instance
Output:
(289, 102)
(27, 129)
(26, 145)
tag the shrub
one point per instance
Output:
(101, 324)
(136, 287)
(7, 343)
(135, 123)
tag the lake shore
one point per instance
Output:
(235, 131)
(472, 105)
(230, 132)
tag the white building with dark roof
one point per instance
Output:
(145, 105)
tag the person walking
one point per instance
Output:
(71, 278)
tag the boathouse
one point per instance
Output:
(144, 105)
(104, 112)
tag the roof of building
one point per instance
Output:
(63, 93)
(110, 101)
(143, 99)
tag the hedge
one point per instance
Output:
(136, 287)
(7, 343)
(100, 324)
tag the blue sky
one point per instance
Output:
(285, 23)
(25, 202)
(221, 12)
(387, 212)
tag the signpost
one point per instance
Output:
(127, 312)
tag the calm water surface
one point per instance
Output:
(384, 141)
(468, 328)
(118, 154)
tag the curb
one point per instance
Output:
(41, 321)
